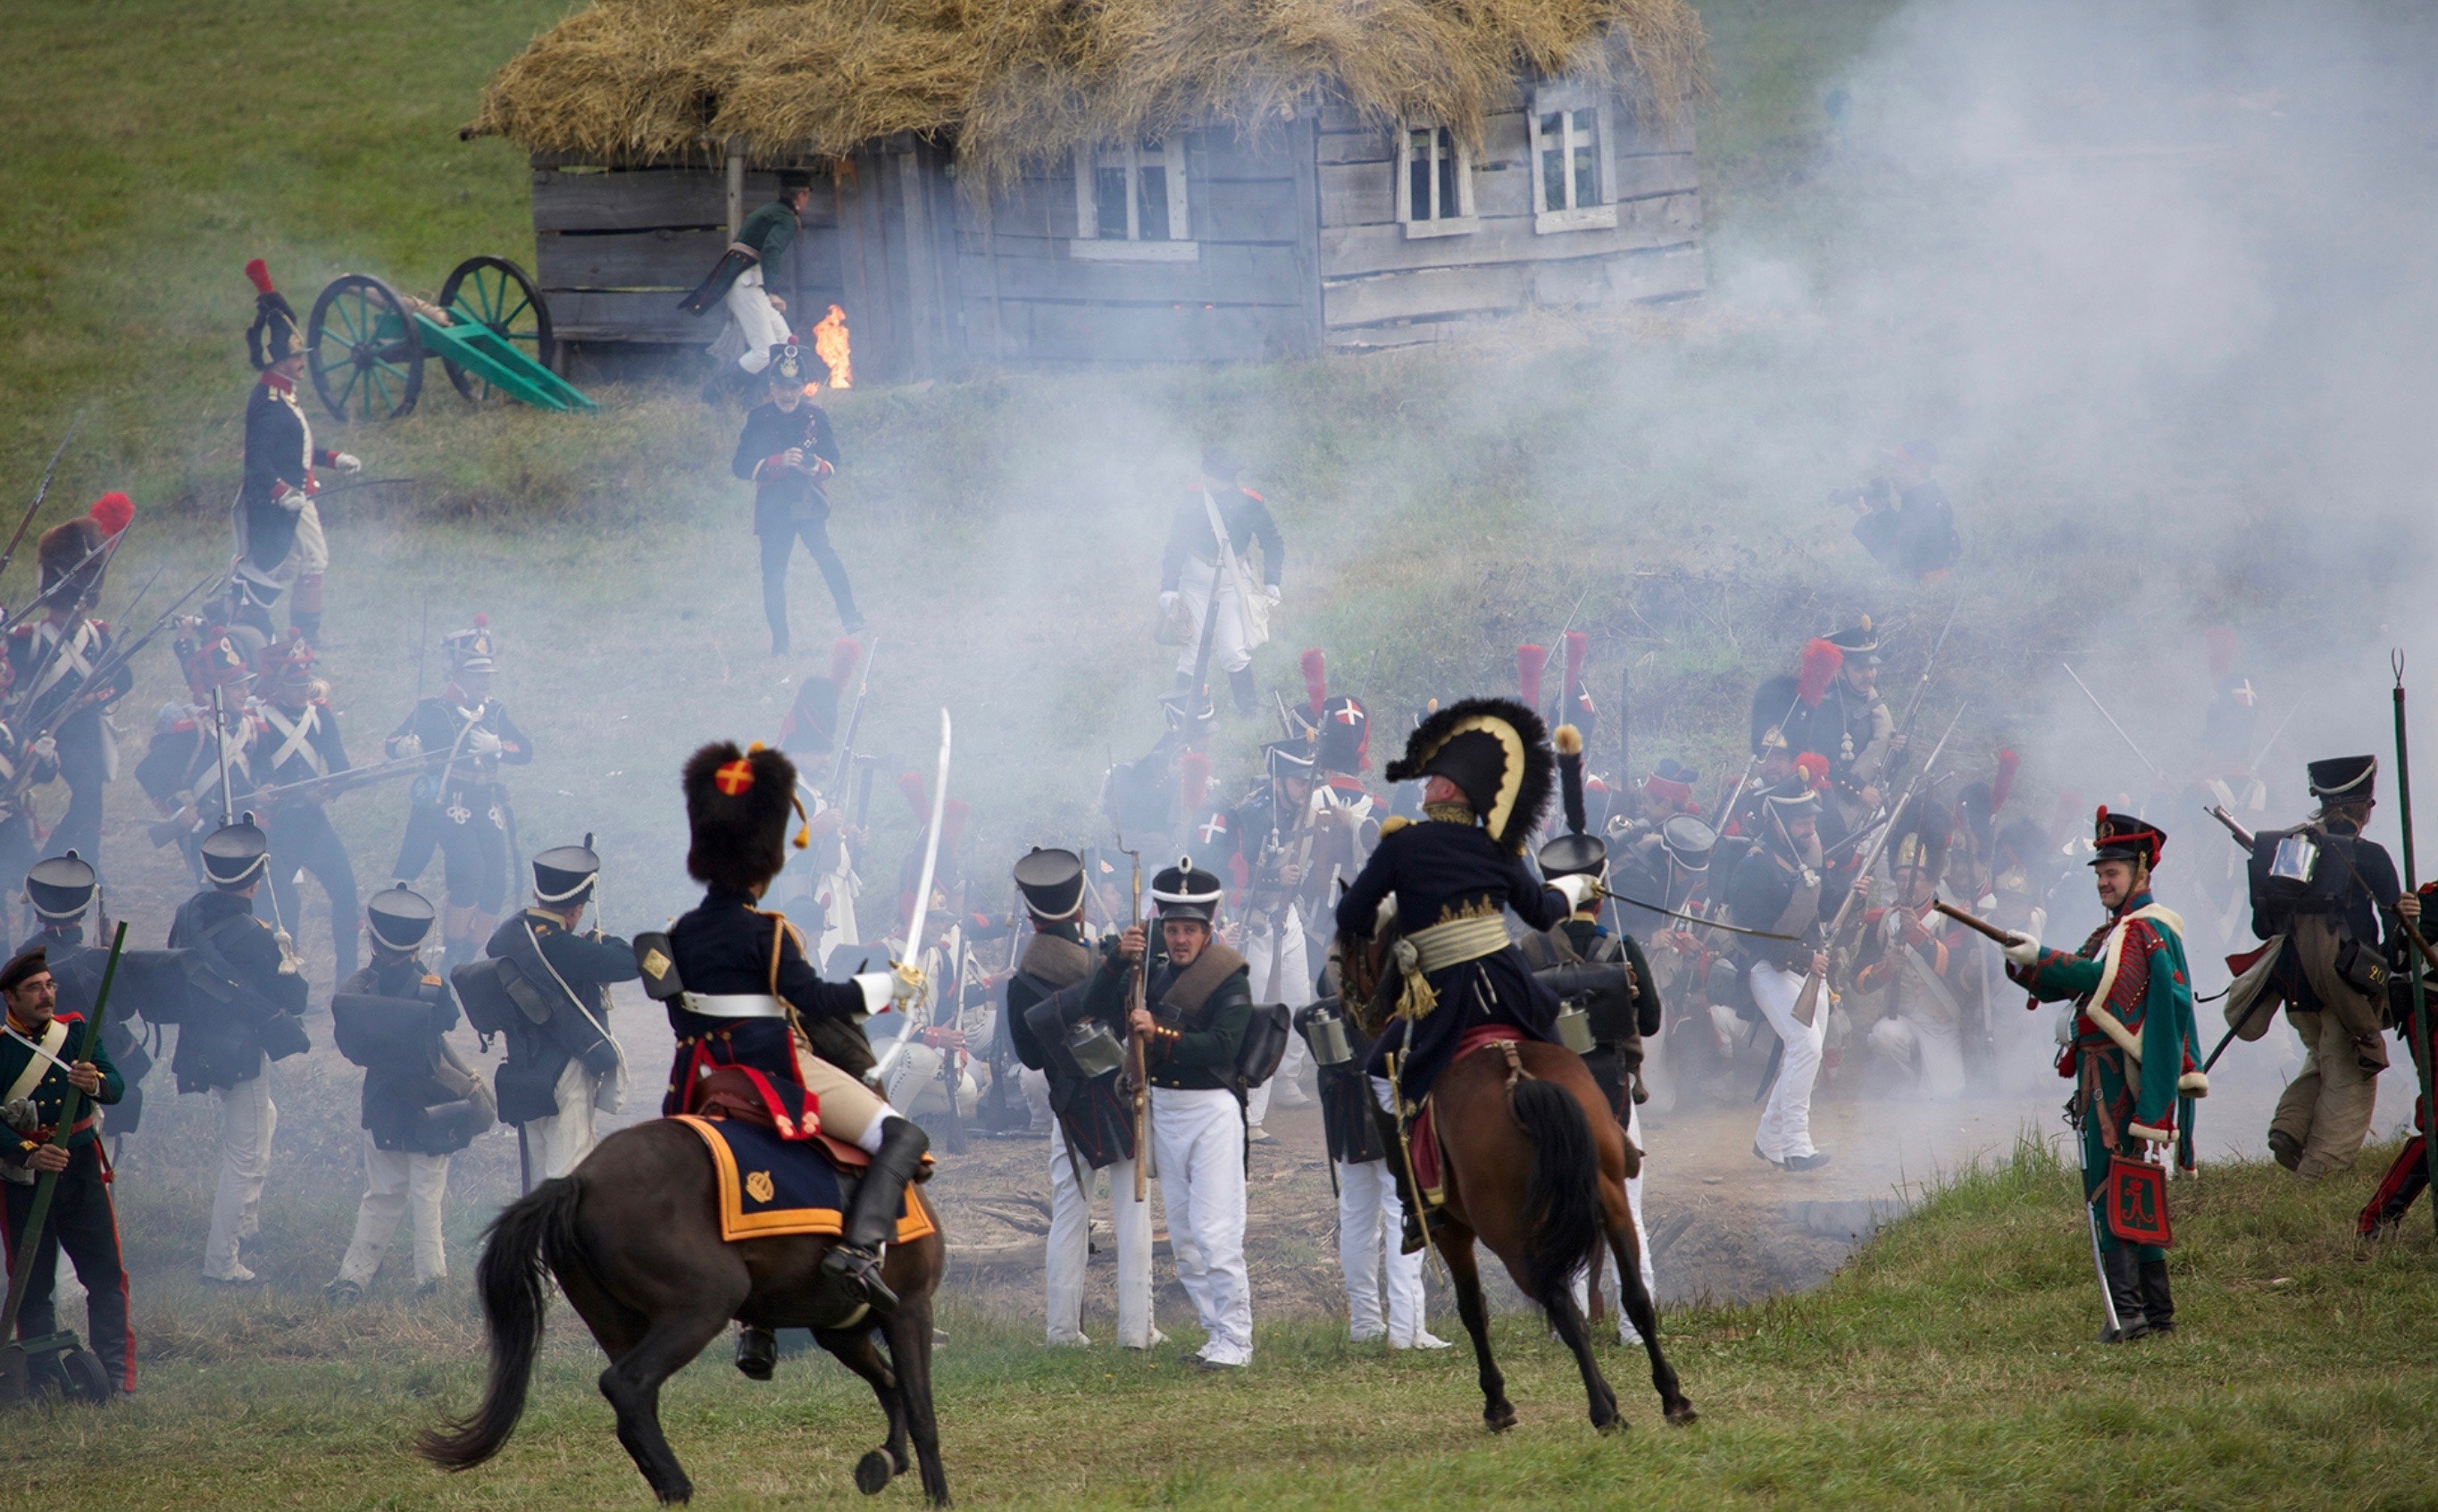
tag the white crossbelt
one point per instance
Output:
(733, 1005)
(70, 657)
(55, 1038)
(297, 740)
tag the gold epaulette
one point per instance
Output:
(1392, 823)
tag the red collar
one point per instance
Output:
(277, 384)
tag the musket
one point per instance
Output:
(879, 1074)
(40, 493)
(1719, 821)
(1977, 925)
(35, 687)
(330, 784)
(1807, 1002)
(2156, 770)
(57, 585)
(1921, 685)
(855, 715)
(2254, 765)
(97, 687)
(2242, 837)
(2420, 992)
(422, 634)
(1137, 1062)
(220, 738)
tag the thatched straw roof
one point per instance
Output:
(1024, 82)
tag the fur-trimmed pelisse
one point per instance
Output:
(1508, 771)
(737, 805)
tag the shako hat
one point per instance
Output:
(1186, 890)
(1860, 640)
(400, 917)
(565, 874)
(1287, 758)
(60, 888)
(276, 335)
(786, 363)
(469, 650)
(1496, 751)
(1671, 781)
(2345, 779)
(236, 854)
(2125, 837)
(1794, 798)
(1574, 856)
(1689, 840)
(737, 805)
(1051, 883)
(289, 664)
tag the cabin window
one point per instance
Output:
(1434, 181)
(1570, 160)
(1130, 204)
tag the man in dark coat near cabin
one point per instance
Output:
(786, 452)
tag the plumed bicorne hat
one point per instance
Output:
(60, 888)
(1051, 883)
(2125, 837)
(738, 807)
(2345, 779)
(1497, 752)
(276, 333)
(399, 919)
(1186, 890)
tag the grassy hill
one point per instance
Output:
(1950, 1362)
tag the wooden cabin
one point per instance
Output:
(1286, 215)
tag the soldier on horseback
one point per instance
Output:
(751, 1008)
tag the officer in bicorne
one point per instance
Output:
(280, 548)
(568, 1066)
(422, 1103)
(226, 1036)
(1046, 1007)
(2134, 1056)
(1197, 1004)
(39, 1066)
(741, 994)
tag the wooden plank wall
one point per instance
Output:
(1250, 295)
(617, 248)
(1379, 289)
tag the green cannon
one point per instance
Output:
(366, 342)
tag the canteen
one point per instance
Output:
(1094, 1049)
(1326, 1033)
(1574, 1029)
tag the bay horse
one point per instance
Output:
(633, 1235)
(1534, 1165)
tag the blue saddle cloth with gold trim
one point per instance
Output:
(770, 1186)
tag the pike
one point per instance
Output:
(855, 715)
(1138, 1064)
(2420, 992)
(2155, 770)
(41, 493)
(1807, 1002)
(879, 1075)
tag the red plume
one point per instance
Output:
(1315, 679)
(2221, 650)
(1579, 645)
(1814, 768)
(1193, 779)
(482, 622)
(112, 511)
(844, 656)
(2004, 782)
(952, 822)
(911, 784)
(1529, 661)
(1821, 659)
(259, 272)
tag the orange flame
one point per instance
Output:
(830, 342)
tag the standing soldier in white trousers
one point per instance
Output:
(1383, 1286)
(1777, 887)
(1210, 542)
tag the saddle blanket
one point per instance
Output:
(770, 1186)
(1422, 1134)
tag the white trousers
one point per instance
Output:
(395, 1183)
(247, 1118)
(1626, 1331)
(556, 1144)
(1785, 1129)
(1035, 1086)
(1199, 1137)
(1370, 1229)
(1228, 650)
(1279, 960)
(762, 326)
(1071, 1219)
(1933, 1053)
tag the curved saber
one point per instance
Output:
(879, 1075)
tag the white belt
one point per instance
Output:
(733, 1005)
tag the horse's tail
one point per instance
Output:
(1562, 1204)
(520, 1248)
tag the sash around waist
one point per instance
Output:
(733, 1005)
(1458, 942)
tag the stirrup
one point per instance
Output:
(757, 1352)
(862, 1268)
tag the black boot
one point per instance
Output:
(2158, 1306)
(872, 1217)
(1248, 697)
(2124, 1275)
(757, 1352)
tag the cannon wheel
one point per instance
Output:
(365, 356)
(501, 295)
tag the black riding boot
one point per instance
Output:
(2158, 1307)
(2124, 1274)
(757, 1352)
(872, 1217)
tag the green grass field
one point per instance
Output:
(1950, 1364)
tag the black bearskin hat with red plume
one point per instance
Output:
(738, 807)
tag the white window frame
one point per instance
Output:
(1090, 247)
(1566, 98)
(1464, 220)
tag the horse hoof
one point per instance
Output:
(1500, 1419)
(1683, 1416)
(872, 1473)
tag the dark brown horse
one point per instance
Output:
(633, 1237)
(1535, 1167)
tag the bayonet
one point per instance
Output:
(2156, 770)
(40, 493)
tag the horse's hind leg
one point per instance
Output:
(856, 1349)
(1577, 1335)
(909, 1350)
(633, 1387)
(1455, 1248)
(1644, 1315)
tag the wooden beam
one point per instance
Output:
(1354, 251)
